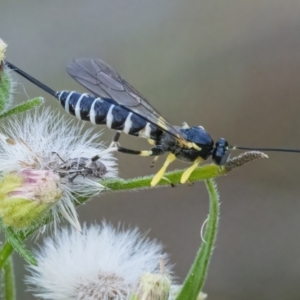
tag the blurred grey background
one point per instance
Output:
(231, 66)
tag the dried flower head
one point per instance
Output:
(100, 263)
(49, 158)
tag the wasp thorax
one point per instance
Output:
(201, 140)
(220, 152)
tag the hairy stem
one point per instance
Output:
(9, 280)
(195, 280)
(6, 250)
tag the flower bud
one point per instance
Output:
(153, 287)
(26, 196)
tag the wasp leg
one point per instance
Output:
(58, 156)
(152, 142)
(71, 179)
(115, 140)
(190, 183)
(171, 157)
(168, 180)
(102, 153)
(155, 151)
(187, 173)
(153, 161)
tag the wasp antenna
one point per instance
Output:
(31, 79)
(267, 149)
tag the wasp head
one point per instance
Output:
(220, 152)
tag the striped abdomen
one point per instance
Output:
(107, 111)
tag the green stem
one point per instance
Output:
(204, 172)
(195, 280)
(9, 280)
(6, 250)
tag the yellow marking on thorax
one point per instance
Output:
(191, 145)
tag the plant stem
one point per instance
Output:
(195, 280)
(6, 250)
(9, 280)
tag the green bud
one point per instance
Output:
(153, 287)
(27, 196)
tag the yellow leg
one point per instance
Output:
(145, 153)
(187, 173)
(151, 142)
(171, 157)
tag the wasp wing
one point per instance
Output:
(102, 80)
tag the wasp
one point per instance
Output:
(113, 102)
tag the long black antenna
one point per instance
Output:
(31, 79)
(267, 149)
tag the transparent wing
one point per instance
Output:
(102, 80)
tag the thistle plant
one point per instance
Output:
(48, 167)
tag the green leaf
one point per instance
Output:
(17, 242)
(23, 107)
(195, 280)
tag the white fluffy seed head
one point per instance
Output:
(99, 263)
(45, 140)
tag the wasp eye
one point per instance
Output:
(221, 152)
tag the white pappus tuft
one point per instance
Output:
(99, 263)
(47, 141)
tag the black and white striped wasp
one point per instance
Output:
(114, 102)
